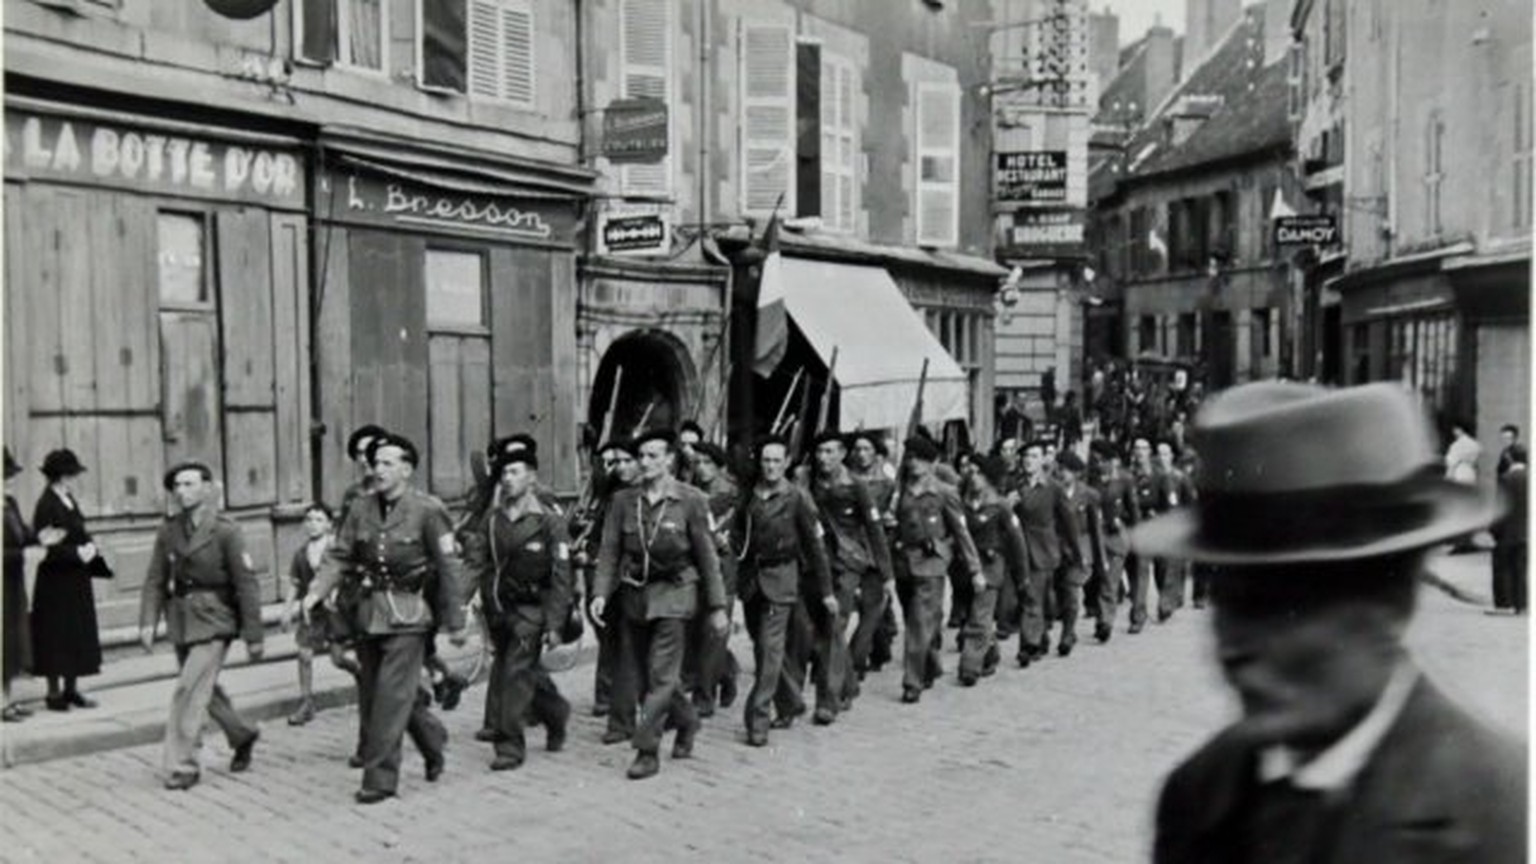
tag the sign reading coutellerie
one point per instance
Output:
(44, 146)
(1031, 175)
(365, 197)
(635, 130)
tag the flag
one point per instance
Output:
(1156, 244)
(1280, 209)
(771, 338)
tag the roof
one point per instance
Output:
(823, 245)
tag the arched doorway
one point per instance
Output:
(657, 387)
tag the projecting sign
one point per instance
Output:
(1031, 175)
(1319, 230)
(1056, 233)
(635, 130)
(633, 234)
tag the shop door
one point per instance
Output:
(1219, 354)
(459, 357)
(189, 341)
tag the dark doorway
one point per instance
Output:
(1333, 345)
(655, 391)
(1218, 350)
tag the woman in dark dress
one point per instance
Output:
(65, 641)
(18, 637)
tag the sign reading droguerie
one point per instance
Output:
(1055, 233)
(368, 198)
(48, 147)
(635, 130)
(1031, 175)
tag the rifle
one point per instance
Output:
(613, 406)
(644, 418)
(719, 421)
(824, 410)
(916, 420)
(778, 420)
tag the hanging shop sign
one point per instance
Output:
(635, 131)
(1031, 176)
(624, 233)
(48, 147)
(1316, 230)
(1054, 233)
(406, 203)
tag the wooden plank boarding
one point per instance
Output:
(189, 375)
(245, 301)
(290, 351)
(333, 284)
(250, 472)
(445, 415)
(76, 329)
(42, 237)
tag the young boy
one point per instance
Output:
(311, 636)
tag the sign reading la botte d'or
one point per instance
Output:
(403, 203)
(42, 146)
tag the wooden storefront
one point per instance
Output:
(447, 304)
(156, 310)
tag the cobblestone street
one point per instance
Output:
(1061, 762)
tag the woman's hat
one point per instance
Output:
(62, 463)
(1297, 473)
(12, 468)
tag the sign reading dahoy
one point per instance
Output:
(1319, 230)
(46, 146)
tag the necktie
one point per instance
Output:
(1289, 825)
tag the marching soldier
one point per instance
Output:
(1119, 511)
(868, 466)
(1000, 546)
(1050, 537)
(613, 694)
(778, 526)
(861, 574)
(1086, 563)
(358, 445)
(658, 556)
(518, 551)
(1170, 490)
(201, 577)
(930, 533)
(388, 549)
(712, 669)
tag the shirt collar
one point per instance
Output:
(1335, 769)
(528, 504)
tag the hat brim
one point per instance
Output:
(1456, 510)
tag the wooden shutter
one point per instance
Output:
(444, 47)
(938, 168)
(517, 53)
(249, 376)
(645, 61)
(767, 116)
(501, 50)
(812, 104)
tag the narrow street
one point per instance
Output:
(1059, 763)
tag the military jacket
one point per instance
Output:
(1050, 526)
(782, 538)
(855, 538)
(999, 539)
(522, 563)
(723, 498)
(666, 548)
(882, 491)
(204, 581)
(401, 570)
(931, 532)
(1119, 509)
(1088, 520)
(1170, 490)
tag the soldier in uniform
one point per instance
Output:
(1137, 566)
(867, 456)
(689, 434)
(388, 550)
(778, 528)
(202, 579)
(1050, 536)
(1000, 547)
(861, 573)
(658, 557)
(1171, 490)
(711, 668)
(1087, 565)
(519, 552)
(1119, 510)
(357, 450)
(930, 533)
(614, 695)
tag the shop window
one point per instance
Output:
(938, 164)
(839, 144)
(645, 56)
(455, 290)
(183, 259)
(352, 33)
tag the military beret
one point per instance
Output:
(712, 452)
(664, 435)
(771, 439)
(513, 443)
(623, 445)
(1103, 449)
(918, 447)
(1070, 461)
(994, 469)
(515, 455)
(875, 439)
(691, 426)
(360, 434)
(389, 439)
(202, 469)
(827, 435)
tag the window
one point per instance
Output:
(767, 80)
(1139, 241)
(352, 33)
(1184, 345)
(1223, 229)
(645, 52)
(501, 50)
(183, 239)
(1522, 151)
(455, 290)
(1263, 344)
(839, 144)
(1434, 139)
(1422, 354)
(1146, 339)
(938, 164)
(1267, 194)
(1296, 79)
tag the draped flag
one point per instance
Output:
(1156, 244)
(771, 339)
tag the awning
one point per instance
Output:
(881, 343)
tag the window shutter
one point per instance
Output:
(767, 77)
(444, 51)
(646, 60)
(938, 148)
(317, 27)
(812, 102)
(484, 56)
(500, 40)
(517, 54)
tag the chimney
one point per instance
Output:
(1104, 46)
(1160, 72)
(1277, 30)
(1205, 22)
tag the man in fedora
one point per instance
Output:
(1318, 506)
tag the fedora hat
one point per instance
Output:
(1294, 473)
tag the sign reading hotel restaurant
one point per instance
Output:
(1031, 176)
(378, 199)
(1055, 233)
(635, 130)
(1316, 230)
(633, 233)
(43, 146)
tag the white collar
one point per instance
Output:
(1335, 768)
